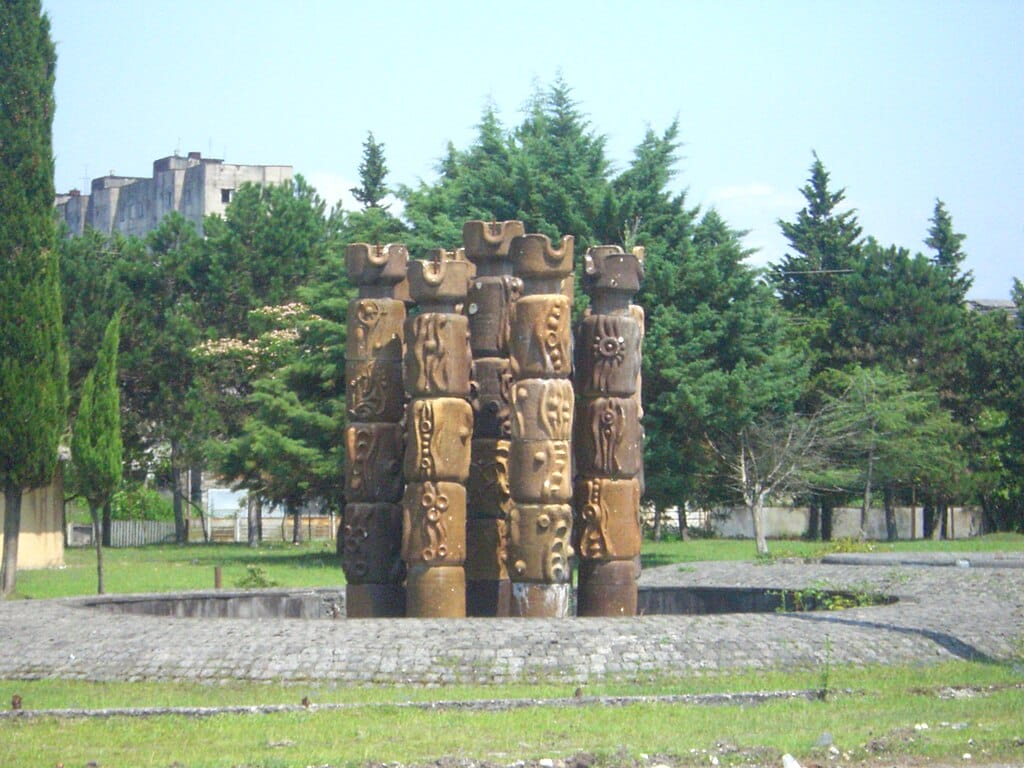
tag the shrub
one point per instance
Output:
(136, 502)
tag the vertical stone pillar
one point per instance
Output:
(488, 305)
(439, 423)
(371, 529)
(540, 451)
(609, 436)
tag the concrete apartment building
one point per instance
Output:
(193, 186)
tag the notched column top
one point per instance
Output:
(535, 258)
(376, 265)
(611, 276)
(443, 279)
(484, 240)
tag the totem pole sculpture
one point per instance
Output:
(371, 532)
(609, 437)
(439, 429)
(540, 454)
(488, 305)
(489, 300)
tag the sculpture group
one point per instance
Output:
(482, 454)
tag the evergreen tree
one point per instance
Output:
(96, 441)
(89, 267)
(372, 172)
(551, 172)
(249, 371)
(896, 311)
(716, 362)
(825, 243)
(894, 437)
(826, 247)
(949, 255)
(33, 359)
(995, 419)
(161, 401)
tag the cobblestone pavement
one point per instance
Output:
(943, 613)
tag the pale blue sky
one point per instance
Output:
(903, 101)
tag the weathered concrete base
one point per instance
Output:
(943, 614)
(437, 592)
(265, 604)
(546, 601)
(607, 588)
(374, 601)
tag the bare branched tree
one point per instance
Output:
(773, 455)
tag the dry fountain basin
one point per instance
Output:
(329, 603)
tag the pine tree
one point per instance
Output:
(372, 172)
(825, 243)
(33, 358)
(96, 450)
(949, 255)
(716, 364)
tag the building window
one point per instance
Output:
(225, 196)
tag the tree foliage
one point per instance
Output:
(33, 358)
(233, 345)
(96, 441)
(373, 170)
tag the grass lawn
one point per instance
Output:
(671, 550)
(170, 568)
(872, 717)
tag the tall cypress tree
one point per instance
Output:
(96, 442)
(33, 360)
(372, 172)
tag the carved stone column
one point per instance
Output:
(488, 305)
(609, 436)
(540, 455)
(371, 529)
(439, 428)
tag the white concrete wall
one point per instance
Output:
(41, 541)
(793, 522)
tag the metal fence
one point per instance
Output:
(236, 529)
(125, 533)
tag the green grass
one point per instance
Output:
(873, 722)
(668, 551)
(170, 568)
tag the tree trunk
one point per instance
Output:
(107, 521)
(657, 522)
(891, 533)
(180, 532)
(682, 521)
(938, 518)
(97, 537)
(254, 510)
(756, 507)
(12, 530)
(865, 510)
(195, 486)
(297, 530)
(826, 518)
(814, 519)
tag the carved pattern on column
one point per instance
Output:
(371, 528)
(439, 428)
(609, 436)
(540, 455)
